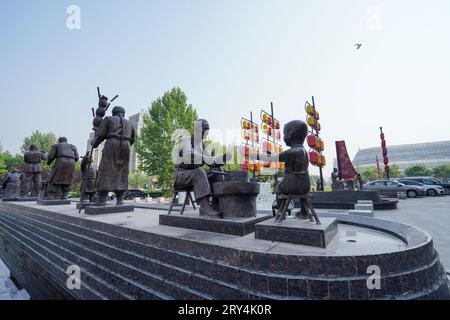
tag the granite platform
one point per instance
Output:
(131, 256)
(298, 231)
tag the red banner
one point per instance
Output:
(345, 165)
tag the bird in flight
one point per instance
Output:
(358, 45)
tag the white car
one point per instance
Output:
(430, 189)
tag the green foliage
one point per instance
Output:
(154, 146)
(137, 179)
(74, 194)
(394, 172)
(10, 161)
(442, 171)
(43, 141)
(313, 179)
(155, 193)
(3, 170)
(370, 174)
(417, 170)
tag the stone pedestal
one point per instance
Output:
(237, 196)
(20, 199)
(346, 200)
(298, 231)
(85, 204)
(55, 202)
(96, 210)
(232, 226)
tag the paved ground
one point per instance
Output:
(431, 214)
(8, 291)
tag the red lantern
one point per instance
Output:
(311, 140)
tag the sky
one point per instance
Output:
(230, 57)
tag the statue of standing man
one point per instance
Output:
(113, 171)
(64, 155)
(32, 171)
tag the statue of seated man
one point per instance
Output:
(189, 173)
(12, 184)
(296, 175)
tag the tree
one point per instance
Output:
(154, 146)
(137, 179)
(12, 161)
(3, 169)
(442, 171)
(43, 141)
(417, 170)
(369, 174)
(394, 172)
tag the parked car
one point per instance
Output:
(390, 188)
(430, 181)
(135, 193)
(431, 190)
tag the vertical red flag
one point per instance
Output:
(345, 165)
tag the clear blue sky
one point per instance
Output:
(230, 57)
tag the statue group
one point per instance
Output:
(295, 184)
(118, 135)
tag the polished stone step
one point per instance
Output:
(166, 271)
(111, 269)
(223, 272)
(268, 284)
(55, 266)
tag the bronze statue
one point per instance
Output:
(336, 182)
(32, 171)
(295, 182)
(359, 179)
(189, 172)
(64, 156)
(113, 172)
(12, 184)
(88, 177)
(103, 106)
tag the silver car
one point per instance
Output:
(389, 188)
(431, 190)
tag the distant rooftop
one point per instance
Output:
(429, 154)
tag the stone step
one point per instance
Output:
(139, 283)
(366, 207)
(206, 264)
(359, 212)
(139, 265)
(168, 263)
(111, 274)
(56, 266)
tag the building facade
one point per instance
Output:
(138, 123)
(429, 154)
